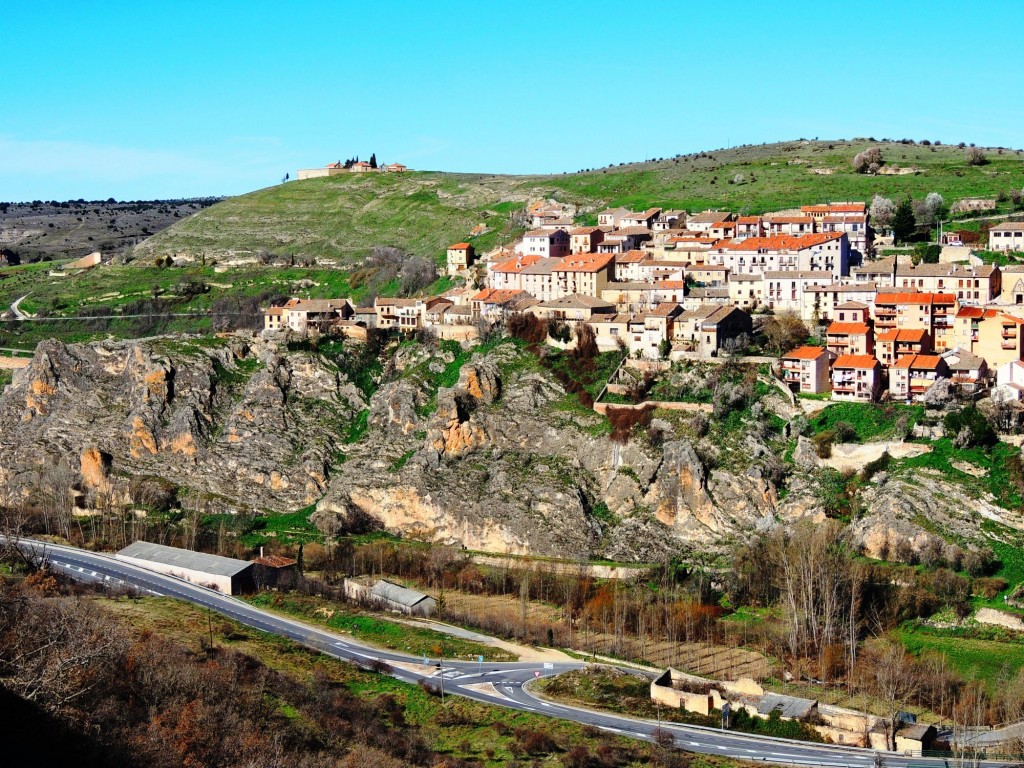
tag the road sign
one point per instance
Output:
(548, 665)
(536, 673)
(480, 658)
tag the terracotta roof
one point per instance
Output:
(459, 247)
(925, 362)
(584, 230)
(273, 311)
(790, 220)
(585, 262)
(497, 296)
(780, 242)
(851, 218)
(630, 257)
(1009, 226)
(542, 232)
(276, 561)
(748, 220)
(517, 264)
(907, 297)
(708, 217)
(852, 305)
(976, 312)
(912, 335)
(665, 309)
(633, 231)
(1012, 319)
(848, 329)
(847, 207)
(724, 225)
(804, 353)
(855, 361)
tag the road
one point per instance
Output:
(15, 308)
(500, 684)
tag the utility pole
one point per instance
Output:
(209, 620)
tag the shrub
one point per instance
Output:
(845, 433)
(968, 428)
(976, 157)
(624, 420)
(988, 586)
(872, 468)
(823, 443)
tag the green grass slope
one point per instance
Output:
(344, 216)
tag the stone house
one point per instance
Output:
(708, 328)
(573, 309)
(966, 370)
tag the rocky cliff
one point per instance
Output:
(503, 460)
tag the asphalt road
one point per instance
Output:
(498, 684)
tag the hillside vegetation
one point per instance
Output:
(344, 216)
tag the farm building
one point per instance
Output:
(224, 574)
(390, 596)
(275, 571)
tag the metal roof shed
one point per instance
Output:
(225, 574)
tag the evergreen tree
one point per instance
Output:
(903, 223)
(373, 160)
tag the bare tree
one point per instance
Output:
(893, 678)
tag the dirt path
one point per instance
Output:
(853, 456)
(524, 652)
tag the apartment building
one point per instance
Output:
(856, 378)
(806, 370)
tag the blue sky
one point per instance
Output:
(171, 99)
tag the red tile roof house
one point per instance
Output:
(893, 344)
(913, 375)
(460, 256)
(805, 370)
(856, 378)
(850, 338)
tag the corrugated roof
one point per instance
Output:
(184, 558)
(386, 590)
(788, 706)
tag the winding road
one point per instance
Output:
(499, 684)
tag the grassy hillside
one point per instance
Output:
(344, 216)
(337, 220)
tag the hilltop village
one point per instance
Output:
(668, 285)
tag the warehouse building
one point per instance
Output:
(224, 574)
